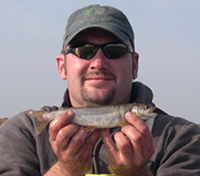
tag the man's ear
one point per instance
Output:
(135, 65)
(61, 66)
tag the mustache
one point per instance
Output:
(99, 73)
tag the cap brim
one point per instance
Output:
(117, 33)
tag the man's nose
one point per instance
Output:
(99, 61)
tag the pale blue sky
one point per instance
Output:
(167, 39)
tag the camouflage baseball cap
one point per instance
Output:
(104, 17)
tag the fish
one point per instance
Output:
(109, 116)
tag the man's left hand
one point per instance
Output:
(133, 148)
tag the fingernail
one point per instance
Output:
(70, 113)
(128, 115)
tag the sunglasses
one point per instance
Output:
(88, 50)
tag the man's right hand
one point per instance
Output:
(72, 145)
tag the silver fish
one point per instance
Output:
(96, 117)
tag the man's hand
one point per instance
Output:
(133, 149)
(72, 145)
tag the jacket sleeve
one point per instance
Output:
(17, 147)
(21, 152)
(177, 144)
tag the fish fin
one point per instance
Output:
(40, 127)
(90, 128)
(150, 116)
(41, 121)
(124, 123)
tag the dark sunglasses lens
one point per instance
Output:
(114, 51)
(85, 52)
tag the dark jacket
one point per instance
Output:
(176, 141)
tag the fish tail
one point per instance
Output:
(41, 121)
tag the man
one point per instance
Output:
(99, 62)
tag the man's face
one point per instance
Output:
(99, 80)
